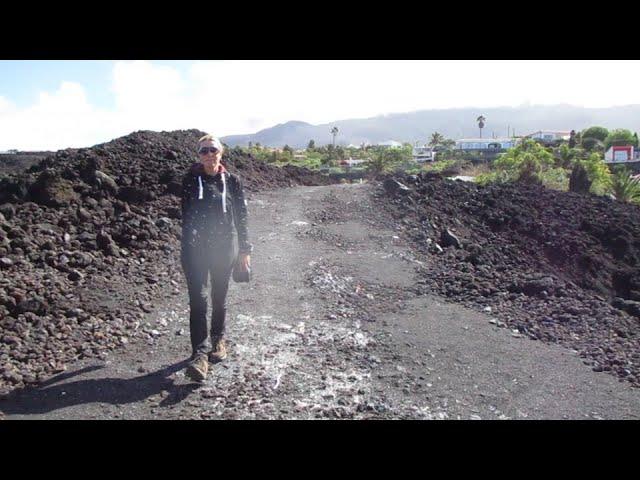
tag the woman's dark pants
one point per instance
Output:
(201, 264)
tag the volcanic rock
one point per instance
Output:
(7, 210)
(52, 190)
(106, 182)
(84, 233)
(393, 186)
(551, 263)
(448, 239)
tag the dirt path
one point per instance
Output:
(330, 328)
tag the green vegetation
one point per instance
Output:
(525, 163)
(599, 133)
(598, 173)
(436, 139)
(624, 187)
(556, 178)
(329, 157)
(592, 139)
(620, 136)
(561, 167)
(557, 168)
(383, 160)
(441, 165)
(591, 144)
(566, 156)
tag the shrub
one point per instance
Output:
(525, 162)
(598, 173)
(599, 133)
(384, 161)
(565, 156)
(620, 136)
(624, 187)
(497, 176)
(590, 144)
(556, 178)
(439, 166)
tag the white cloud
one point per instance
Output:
(148, 95)
(69, 99)
(324, 91)
(229, 97)
(5, 106)
(56, 120)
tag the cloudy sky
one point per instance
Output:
(49, 105)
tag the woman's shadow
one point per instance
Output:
(49, 395)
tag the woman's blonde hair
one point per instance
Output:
(212, 139)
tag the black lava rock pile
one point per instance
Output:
(19, 161)
(89, 240)
(552, 266)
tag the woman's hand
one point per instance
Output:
(245, 261)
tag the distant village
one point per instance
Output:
(478, 147)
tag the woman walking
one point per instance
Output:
(214, 211)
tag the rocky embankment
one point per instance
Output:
(89, 239)
(20, 161)
(552, 266)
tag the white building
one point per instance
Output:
(350, 162)
(423, 154)
(501, 143)
(390, 143)
(620, 154)
(550, 135)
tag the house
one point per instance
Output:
(492, 144)
(423, 154)
(550, 135)
(350, 162)
(390, 143)
(620, 154)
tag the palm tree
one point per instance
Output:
(436, 139)
(334, 132)
(481, 119)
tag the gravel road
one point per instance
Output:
(331, 327)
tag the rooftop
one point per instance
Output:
(489, 140)
(562, 132)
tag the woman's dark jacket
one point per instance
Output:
(205, 223)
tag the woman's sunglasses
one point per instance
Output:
(205, 150)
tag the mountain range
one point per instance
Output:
(452, 123)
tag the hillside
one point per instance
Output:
(452, 123)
